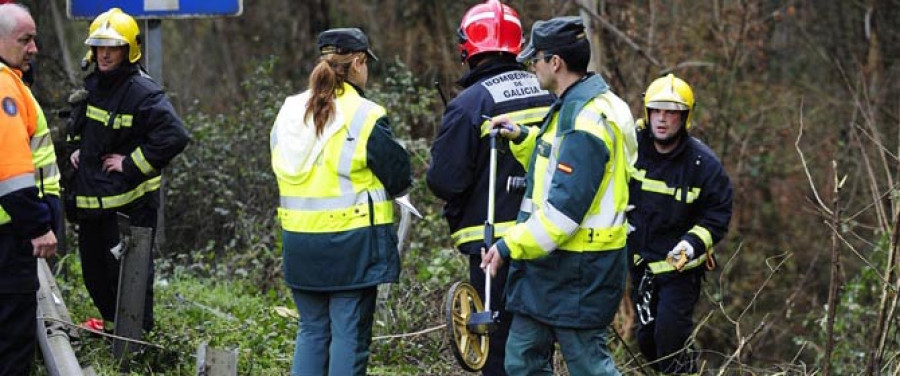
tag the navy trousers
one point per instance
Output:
(664, 341)
(18, 331)
(100, 269)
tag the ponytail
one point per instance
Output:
(326, 80)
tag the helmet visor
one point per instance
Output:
(671, 106)
(105, 42)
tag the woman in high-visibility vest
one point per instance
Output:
(338, 167)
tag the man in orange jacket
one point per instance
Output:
(24, 219)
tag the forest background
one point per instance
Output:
(798, 98)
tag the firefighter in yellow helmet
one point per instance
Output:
(682, 198)
(113, 28)
(119, 138)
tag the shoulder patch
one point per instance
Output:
(9, 106)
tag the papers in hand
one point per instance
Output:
(407, 205)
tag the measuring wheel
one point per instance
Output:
(469, 348)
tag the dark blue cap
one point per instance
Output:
(343, 41)
(556, 32)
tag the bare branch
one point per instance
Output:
(618, 33)
(812, 185)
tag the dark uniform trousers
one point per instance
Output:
(18, 309)
(672, 305)
(98, 234)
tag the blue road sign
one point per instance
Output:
(88, 9)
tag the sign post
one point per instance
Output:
(147, 9)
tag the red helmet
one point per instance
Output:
(489, 27)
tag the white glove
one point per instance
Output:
(118, 251)
(683, 245)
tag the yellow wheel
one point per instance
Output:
(470, 349)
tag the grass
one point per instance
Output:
(235, 313)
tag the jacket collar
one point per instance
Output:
(589, 86)
(488, 68)
(356, 90)
(107, 80)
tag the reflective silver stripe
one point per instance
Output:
(606, 218)
(551, 168)
(527, 205)
(41, 141)
(16, 183)
(559, 219)
(346, 161)
(599, 118)
(543, 239)
(332, 203)
(48, 171)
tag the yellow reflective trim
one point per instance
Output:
(102, 116)
(137, 156)
(661, 267)
(526, 117)
(659, 186)
(96, 113)
(47, 179)
(109, 202)
(124, 121)
(596, 239)
(476, 233)
(704, 235)
(336, 220)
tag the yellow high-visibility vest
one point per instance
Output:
(339, 192)
(43, 155)
(603, 227)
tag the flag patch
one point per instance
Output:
(564, 168)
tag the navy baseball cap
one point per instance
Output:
(344, 40)
(559, 31)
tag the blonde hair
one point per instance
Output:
(327, 80)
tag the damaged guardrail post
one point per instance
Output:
(133, 279)
(59, 357)
(215, 362)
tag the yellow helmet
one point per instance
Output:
(115, 28)
(670, 93)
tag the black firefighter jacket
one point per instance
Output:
(682, 195)
(460, 155)
(125, 113)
